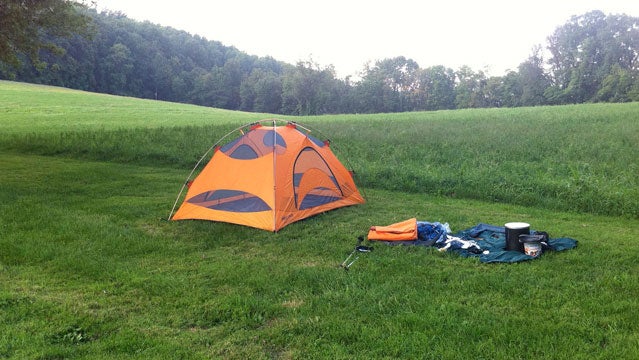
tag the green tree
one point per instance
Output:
(307, 89)
(211, 89)
(400, 76)
(618, 85)
(372, 95)
(470, 88)
(493, 91)
(27, 26)
(119, 65)
(585, 50)
(512, 89)
(533, 80)
(261, 92)
(436, 89)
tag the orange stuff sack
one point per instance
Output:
(401, 231)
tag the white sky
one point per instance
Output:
(488, 35)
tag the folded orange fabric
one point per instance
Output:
(401, 231)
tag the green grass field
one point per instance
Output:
(90, 268)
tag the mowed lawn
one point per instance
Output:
(90, 267)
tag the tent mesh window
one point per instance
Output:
(230, 200)
(255, 144)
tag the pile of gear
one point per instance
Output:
(513, 242)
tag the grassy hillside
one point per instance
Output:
(578, 158)
(30, 108)
(90, 268)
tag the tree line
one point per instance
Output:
(594, 57)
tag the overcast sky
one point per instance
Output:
(488, 35)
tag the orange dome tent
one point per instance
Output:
(267, 178)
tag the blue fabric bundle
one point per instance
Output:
(431, 233)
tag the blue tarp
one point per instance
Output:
(492, 240)
(486, 242)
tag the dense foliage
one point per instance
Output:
(593, 58)
(26, 25)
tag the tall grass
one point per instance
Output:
(581, 158)
(578, 157)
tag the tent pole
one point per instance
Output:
(274, 175)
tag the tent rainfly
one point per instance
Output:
(267, 178)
